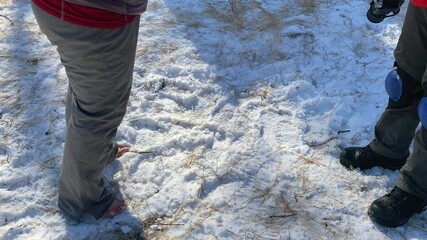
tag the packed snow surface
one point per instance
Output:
(236, 120)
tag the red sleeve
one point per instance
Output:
(84, 16)
(420, 3)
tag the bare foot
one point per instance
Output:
(116, 208)
(122, 150)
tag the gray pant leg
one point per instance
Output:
(411, 50)
(394, 132)
(395, 129)
(113, 148)
(411, 54)
(413, 175)
(99, 65)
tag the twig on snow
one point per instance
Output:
(166, 224)
(418, 227)
(141, 152)
(317, 144)
(159, 86)
(283, 216)
(3, 16)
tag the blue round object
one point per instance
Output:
(394, 85)
(422, 111)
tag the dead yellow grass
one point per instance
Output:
(5, 2)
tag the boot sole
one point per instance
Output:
(385, 222)
(346, 163)
(349, 165)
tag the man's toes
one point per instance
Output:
(116, 208)
(122, 150)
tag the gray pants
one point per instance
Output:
(396, 128)
(99, 65)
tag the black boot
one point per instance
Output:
(364, 158)
(395, 208)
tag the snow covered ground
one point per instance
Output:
(236, 118)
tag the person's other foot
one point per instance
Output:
(365, 158)
(116, 208)
(395, 208)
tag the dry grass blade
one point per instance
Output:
(418, 227)
(235, 16)
(308, 6)
(310, 160)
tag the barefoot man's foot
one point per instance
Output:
(122, 150)
(116, 208)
